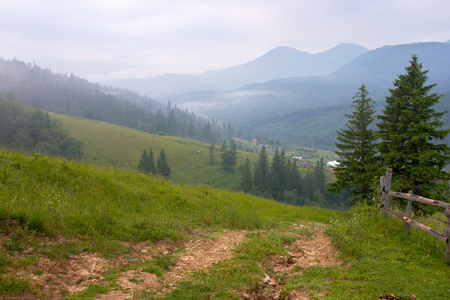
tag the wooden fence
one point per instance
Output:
(385, 188)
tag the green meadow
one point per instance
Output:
(54, 209)
(120, 147)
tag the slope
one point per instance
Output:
(121, 147)
(76, 231)
(251, 108)
(72, 95)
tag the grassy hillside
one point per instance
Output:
(121, 147)
(59, 197)
(56, 215)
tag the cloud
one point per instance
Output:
(101, 39)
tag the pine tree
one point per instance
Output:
(274, 176)
(410, 133)
(229, 155)
(261, 171)
(151, 162)
(277, 177)
(357, 167)
(319, 174)
(142, 166)
(246, 176)
(163, 165)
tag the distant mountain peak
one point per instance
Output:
(280, 62)
(282, 52)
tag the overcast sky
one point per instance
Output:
(105, 39)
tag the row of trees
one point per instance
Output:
(33, 130)
(280, 179)
(147, 164)
(408, 140)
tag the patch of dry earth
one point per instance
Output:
(197, 255)
(305, 252)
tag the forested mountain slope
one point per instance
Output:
(314, 99)
(72, 95)
(33, 130)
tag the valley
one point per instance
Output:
(89, 225)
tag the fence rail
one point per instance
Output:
(385, 188)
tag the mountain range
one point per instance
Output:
(280, 62)
(304, 105)
(251, 106)
(308, 101)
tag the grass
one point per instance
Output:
(120, 147)
(381, 260)
(89, 208)
(377, 260)
(159, 265)
(60, 197)
(56, 208)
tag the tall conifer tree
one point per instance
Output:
(261, 171)
(151, 162)
(246, 176)
(410, 134)
(142, 166)
(229, 155)
(357, 167)
(275, 178)
(163, 165)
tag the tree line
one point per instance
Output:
(33, 130)
(280, 179)
(409, 140)
(72, 95)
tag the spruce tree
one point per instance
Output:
(295, 180)
(163, 165)
(246, 176)
(411, 138)
(229, 155)
(151, 162)
(261, 171)
(277, 175)
(142, 166)
(357, 168)
(319, 173)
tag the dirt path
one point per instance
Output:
(315, 249)
(61, 278)
(198, 254)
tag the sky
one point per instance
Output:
(107, 39)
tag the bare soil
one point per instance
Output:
(307, 251)
(59, 278)
(197, 254)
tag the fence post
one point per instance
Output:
(387, 188)
(408, 213)
(447, 233)
(382, 181)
